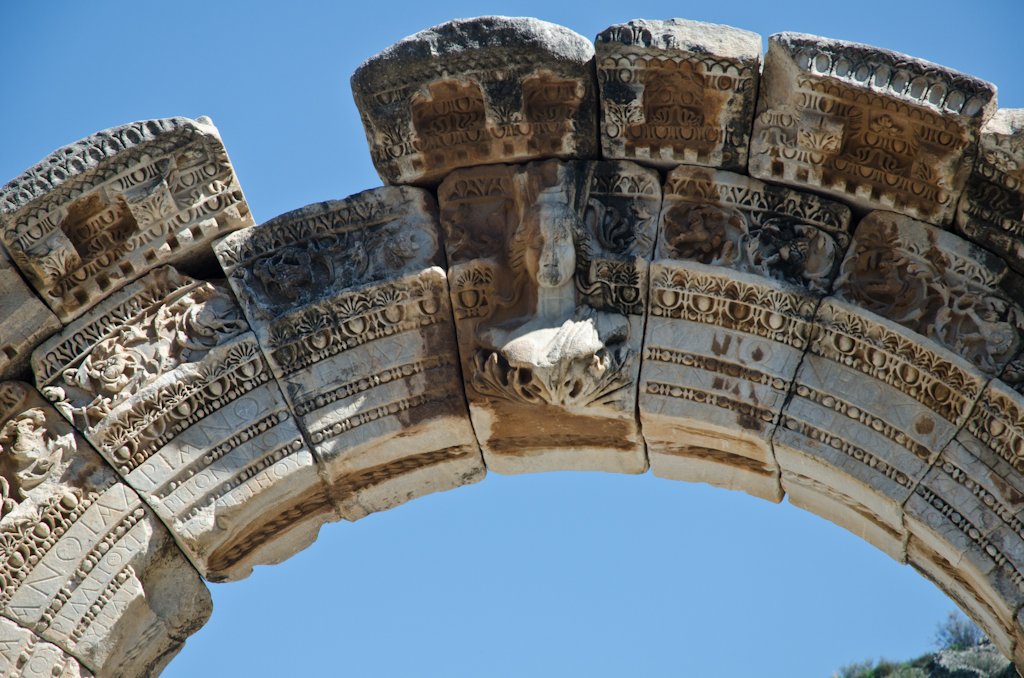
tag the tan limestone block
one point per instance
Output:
(24, 320)
(477, 92)
(991, 209)
(24, 655)
(874, 128)
(166, 380)
(95, 215)
(725, 219)
(355, 317)
(677, 91)
(548, 276)
(88, 566)
(948, 291)
(970, 594)
(720, 353)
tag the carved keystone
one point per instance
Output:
(24, 321)
(95, 215)
(877, 129)
(548, 275)
(677, 91)
(348, 302)
(991, 209)
(477, 92)
(84, 563)
(166, 380)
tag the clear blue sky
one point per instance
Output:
(543, 575)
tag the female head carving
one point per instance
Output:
(545, 244)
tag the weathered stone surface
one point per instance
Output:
(548, 274)
(936, 284)
(93, 216)
(873, 405)
(677, 91)
(347, 300)
(991, 209)
(24, 321)
(166, 380)
(877, 129)
(24, 655)
(85, 564)
(476, 92)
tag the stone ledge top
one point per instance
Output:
(685, 36)
(916, 81)
(519, 36)
(1007, 122)
(87, 154)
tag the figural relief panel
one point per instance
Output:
(722, 346)
(677, 91)
(97, 214)
(24, 321)
(475, 92)
(165, 378)
(877, 129)
(349, 303)
(548, 275)
(991, 209)
(84, 563)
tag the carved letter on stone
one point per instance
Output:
(166, 380)
(84, 563)
(347, 299)
(875, 128)
(677, 91)
(97, 214)
(476, 92)
(548, 274)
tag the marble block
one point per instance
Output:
(25, 321)
(24, 655)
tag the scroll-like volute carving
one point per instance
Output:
(873, 404)
(967, 513)
(24, 321)
(991, 209)
(84, 563)
(97, 214)
(722, 347)
(24, 655)
(349, 304)
(875, 128)
(166, 380)
(548, 275)
(936, 284)
(677, 91)
(477, 92)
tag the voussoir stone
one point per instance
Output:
(350, 304)
(722, 346)
(877, 129)
(991, 209)
(167, 380)
(475, 92)
(24, 655)
(84, 563)
(24, 320)
(94, 215)
(677, 91)
(548, 273)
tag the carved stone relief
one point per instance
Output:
(350, 305)
(722, 348)
(991, 209)
(24, 321)
(877, 129)
(95, 215)
(475, 92)
(940, 286)
(548, 275)
(84, 563)
(24, 655)
(677, 91)
(166, 380)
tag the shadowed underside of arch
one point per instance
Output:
(798, 280)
